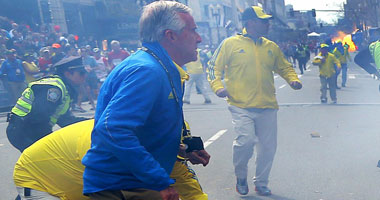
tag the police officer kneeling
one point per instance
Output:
(44, 103)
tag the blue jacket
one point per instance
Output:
(138, 124)
(13, 70)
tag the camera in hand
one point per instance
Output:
(193, 143)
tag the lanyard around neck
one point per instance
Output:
(184, 129)
(166, 70)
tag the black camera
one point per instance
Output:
(193, 143)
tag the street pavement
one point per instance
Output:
(325, 151)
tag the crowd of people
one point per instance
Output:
(27, 55)
(139, 145)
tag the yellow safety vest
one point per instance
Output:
(25, 102)
(374, 49)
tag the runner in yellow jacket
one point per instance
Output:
(247, 66)
(247, 62)
(326, 62)
(52, 167)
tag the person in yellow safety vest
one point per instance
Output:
(52, 167)
(303, 56)
(326, 61)
(44, 103)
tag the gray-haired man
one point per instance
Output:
(139, 118)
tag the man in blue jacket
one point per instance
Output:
(139, 117)
(13, 70)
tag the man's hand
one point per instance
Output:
(169, 194)
(296, 85)
(198, 157)
(222, 93)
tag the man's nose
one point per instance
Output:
(199, 38)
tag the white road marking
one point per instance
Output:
(351, 76)
(276, 76)
(215, 137)
(282, 86)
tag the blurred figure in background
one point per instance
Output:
(345, 58)
(338, 51)
(116, 55)
(14, 74)
(44, 62)
(57, 53)
(302, 56)
(90, 86)
(32, 72)
(101, 69)
(197, 75)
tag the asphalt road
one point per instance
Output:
(340, 164)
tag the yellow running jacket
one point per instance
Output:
(53, 165)
(326, 68)
(247, 68)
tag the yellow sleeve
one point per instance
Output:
(284, 68)
(336, 62)
(338, 55)
(32, 69)
(216, 67)
(317, 61)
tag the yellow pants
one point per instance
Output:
(186, 183)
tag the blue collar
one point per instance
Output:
(161, 53)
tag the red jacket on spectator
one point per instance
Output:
(115, 57)
(44, 64)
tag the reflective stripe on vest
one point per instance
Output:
(374, 49)
(25, 102)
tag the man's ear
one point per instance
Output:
(170, 35)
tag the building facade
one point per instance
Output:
(363, 13)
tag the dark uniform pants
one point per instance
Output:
(21, 134)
